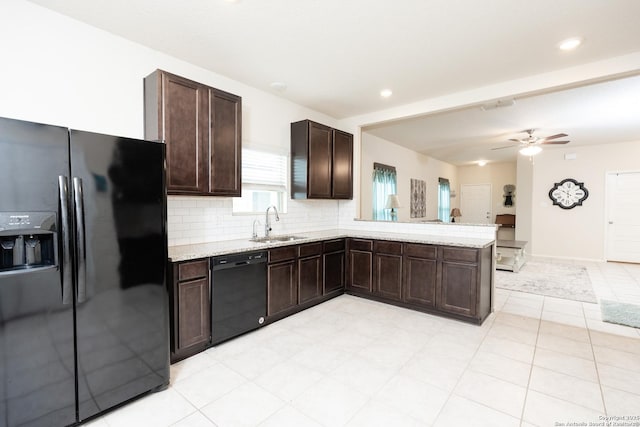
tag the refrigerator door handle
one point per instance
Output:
(81, 272)
(65, 271)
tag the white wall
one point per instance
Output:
(524, 193)
(60, 71)
(409, 165)
(497, 175)
(578, 232)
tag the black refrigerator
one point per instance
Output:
(83, 249)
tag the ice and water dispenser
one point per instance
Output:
(28, 241)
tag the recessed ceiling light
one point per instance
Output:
(482, 162)
(385, 93)
(279, 86)
(570, 44)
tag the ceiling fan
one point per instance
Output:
(529, 145)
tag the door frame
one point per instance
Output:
(607, 206)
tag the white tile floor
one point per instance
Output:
(353, 362)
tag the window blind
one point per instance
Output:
(264, 169)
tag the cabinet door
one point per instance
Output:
(319, 166)
(333, 271)
(309, 278)
(342, 178)
(388, 275)
(226, 146)
(185, 105)
(360, 270)
(420, 281)
(282, 287)
(194, 313)
(458, 288)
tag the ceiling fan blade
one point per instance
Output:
(554, 142)
(508, 146)
(559, 135)
(514, 140)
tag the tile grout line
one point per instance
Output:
(535, 347)
(465, 370)
(595, 362)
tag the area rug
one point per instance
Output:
(556, 280)
(620, 313)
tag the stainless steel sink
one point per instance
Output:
(276, 239)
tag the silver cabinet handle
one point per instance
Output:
(81, 265)
(65, 270)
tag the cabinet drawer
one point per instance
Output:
(361, 245)
(393, 248)
(193, 269)
(334, 245)
(459, 254)
(420, 251)
(310, 249)
(283, 254)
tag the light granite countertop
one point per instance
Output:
(225, 247)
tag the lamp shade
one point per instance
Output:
(392, 201)
(455, 213)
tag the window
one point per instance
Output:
(444, 200)
(264, 182)
(384, 184)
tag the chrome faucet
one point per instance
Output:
(267, 223)
(255, 232)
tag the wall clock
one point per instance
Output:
(568, 193)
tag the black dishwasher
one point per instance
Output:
(238, 294)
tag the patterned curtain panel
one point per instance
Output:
(384, 183)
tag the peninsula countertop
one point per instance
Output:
(224, 247)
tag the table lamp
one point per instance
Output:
(455, 213)
(393, 203)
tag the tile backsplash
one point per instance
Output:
(208, 219)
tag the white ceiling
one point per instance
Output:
(336, 55)
(599, 113)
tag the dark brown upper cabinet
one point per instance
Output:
(202, 129)
(321, 162)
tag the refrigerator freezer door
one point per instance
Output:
(122, 321)
(37, 369)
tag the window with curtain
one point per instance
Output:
(444, 200)
(384, 184)
(264, 182)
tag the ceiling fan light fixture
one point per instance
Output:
(570, 43)
(530, 151)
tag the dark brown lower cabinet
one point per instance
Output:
(455, 281)
(388, 269)
(309, 278)
(282, 287)
(458, 288)
(420, 275)
(360, 266)
(334, 263)
(465, 284)
(190, 309)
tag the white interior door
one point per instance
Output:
(475, 204)
(623, 217)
